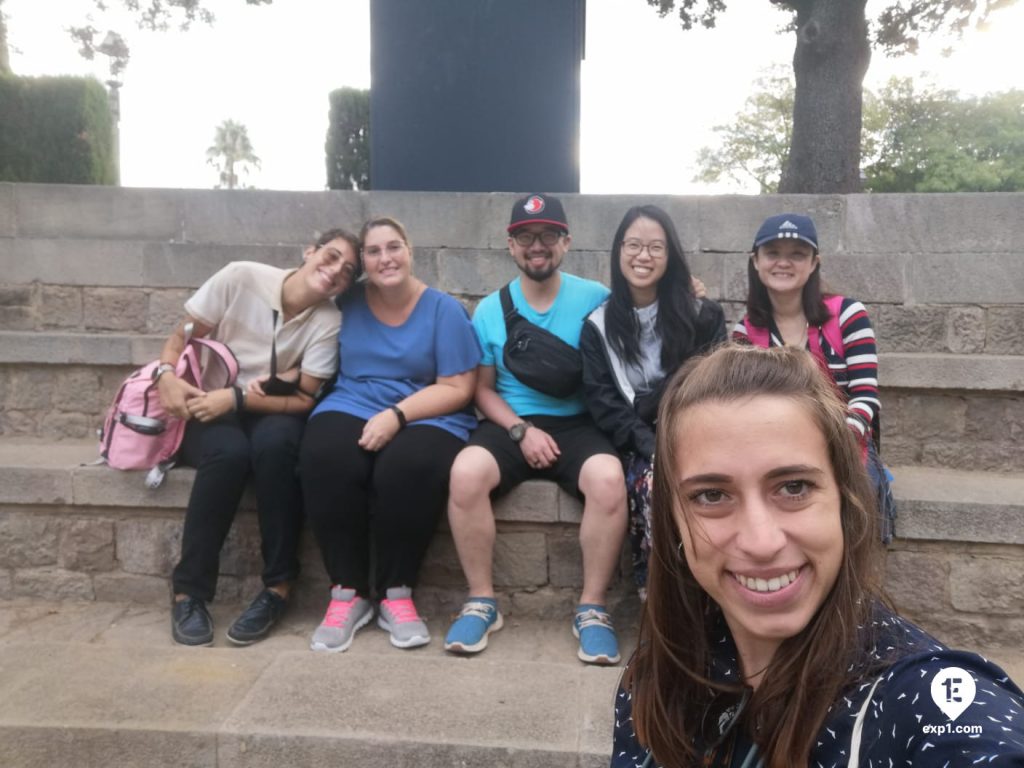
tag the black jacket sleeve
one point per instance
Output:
(710, 326)
(611, 412)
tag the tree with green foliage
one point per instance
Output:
(934, 141)
(151, 14)
(832, 54)
(56, 130)
(755, 146)
(231, 148)
(348, 139)
(913, 141)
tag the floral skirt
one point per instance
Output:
(639, 481)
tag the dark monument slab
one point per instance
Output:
(476, 95)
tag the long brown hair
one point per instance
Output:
(669, 675)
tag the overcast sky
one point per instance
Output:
(651, 92)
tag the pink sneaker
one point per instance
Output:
(398, 616)
(346, 614)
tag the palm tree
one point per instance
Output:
(231, 147)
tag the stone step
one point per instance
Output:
(900, 370)
(114, 683)
(934, 503)
(959, 411)
(893, 249)
(68, 530)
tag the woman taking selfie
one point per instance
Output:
(764, 640)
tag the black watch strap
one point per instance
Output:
(518, 431)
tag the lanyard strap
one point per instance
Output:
(273, 346)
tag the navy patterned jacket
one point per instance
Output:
(901, 724)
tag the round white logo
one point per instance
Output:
(534, 205)
(953, 691)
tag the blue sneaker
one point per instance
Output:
(468, 634)
(593, 627)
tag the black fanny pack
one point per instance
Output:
(538, 358)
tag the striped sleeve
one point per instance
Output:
(861, 364)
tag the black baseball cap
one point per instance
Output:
(538, 209)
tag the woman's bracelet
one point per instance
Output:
(239, 397)
(401, 416)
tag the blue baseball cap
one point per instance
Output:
(787, 226)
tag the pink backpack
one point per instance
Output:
(137, 432)
(833, 333)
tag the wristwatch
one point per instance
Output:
(518, 431)
(161, 370)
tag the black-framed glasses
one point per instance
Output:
(548, 237)
(656, 248)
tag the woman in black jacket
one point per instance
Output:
(633, 343)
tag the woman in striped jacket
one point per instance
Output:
(787, 307)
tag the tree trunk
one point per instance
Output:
(5, 58)
(831, 57)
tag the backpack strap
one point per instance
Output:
(222, 352)
(758, 336)
(508, 309)
(831, 328)
(273, 346)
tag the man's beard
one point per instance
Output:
(538, 275)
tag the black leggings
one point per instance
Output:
(387, 501)
(225, 453)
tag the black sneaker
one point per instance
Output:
(256, 620)
(191, 623)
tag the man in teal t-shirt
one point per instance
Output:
(528, 434)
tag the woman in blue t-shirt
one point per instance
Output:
(377, 451)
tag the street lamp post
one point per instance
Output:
(115, 48)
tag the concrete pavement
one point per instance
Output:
(102, 684)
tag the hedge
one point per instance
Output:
(56, 130)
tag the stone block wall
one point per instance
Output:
(39, 401)
(92, 279)
(103, 544)
(969, 597)
(98, 276)
(954, 429)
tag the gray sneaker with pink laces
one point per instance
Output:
(398, 616)
(346, 613)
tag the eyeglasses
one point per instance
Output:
(348, 269)
(656, 248)
(391, 249)
(548, 237)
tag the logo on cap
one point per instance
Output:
(534, 205)
(787, 224)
